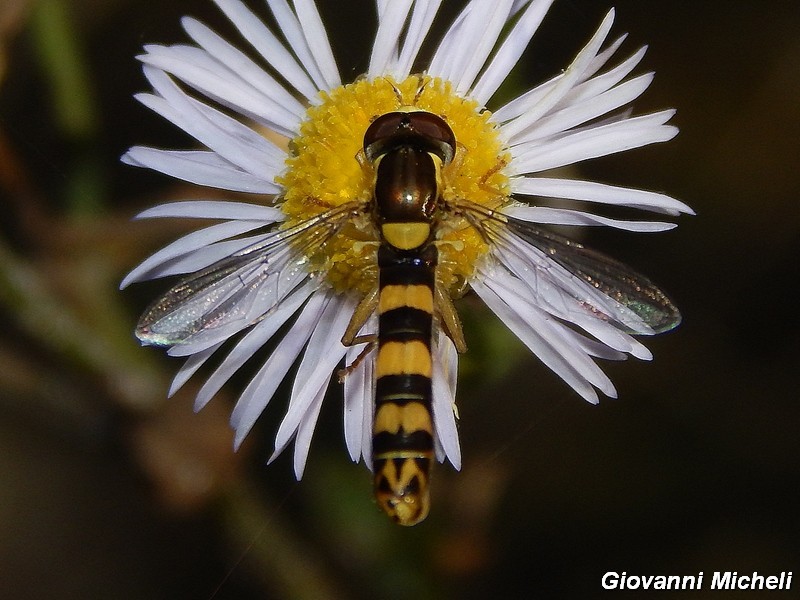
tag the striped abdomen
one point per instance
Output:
(402, 444)
(407, 149)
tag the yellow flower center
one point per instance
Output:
(323, 172)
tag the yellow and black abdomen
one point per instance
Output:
(407, 150)
(402, 443)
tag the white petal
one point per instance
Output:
(421, 20)
(592, 347)
(601, 193)
(601, 83)
(356, 396)
(292, 31)
(213, 209)
(268, 46)
(309, 41)
(582, 112)
(189, 368)
(369, 417)
(197, 69)
(508, 54)
(536, 343)
(186, 244)
(390, 25)
(594, 142)
(562, 86)
(559, 290)
(449, 363)
(239, 64)
(524, 103)
(201, 168)
(479, 37)
(445, 366)
(557, 333)
(572, 311)
(251, 343)
(203, 257)
(261, 388)
(305, 431)
(562, 216)
(359, 396)
(210, 127)
(444, 56)
(317, 38)
(324, 352)
(543, 341)
(603, 57)
(518, 6)
(267, 152)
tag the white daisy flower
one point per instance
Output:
(302, 270)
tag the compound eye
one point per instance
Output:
(436, 132)
(382, 132)
(420, 130)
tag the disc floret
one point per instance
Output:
(326, 169)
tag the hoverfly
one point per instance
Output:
(406, 153)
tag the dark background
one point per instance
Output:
(108, 490)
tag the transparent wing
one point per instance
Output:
(601, 286)
(238, 290)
